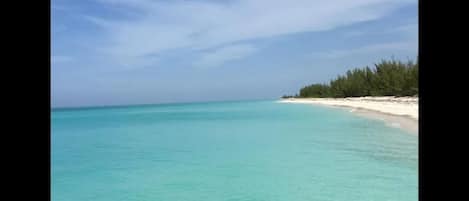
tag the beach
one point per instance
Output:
(399, 112)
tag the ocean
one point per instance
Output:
(229, 151)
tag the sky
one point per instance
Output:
(123, 52)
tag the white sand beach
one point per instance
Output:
(396, 111)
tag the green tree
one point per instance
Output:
(388, 78)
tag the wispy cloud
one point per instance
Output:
(58, 7)
(60, 59)
(98, 21)
(406, 30)
(410, 46)
(409, 30)
(229, 53)
(200, 25)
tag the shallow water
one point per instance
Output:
(250, 150)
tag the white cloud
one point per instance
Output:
(225, 54)
(199, 25)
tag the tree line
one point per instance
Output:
(387, 78)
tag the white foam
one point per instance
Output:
(395, 124)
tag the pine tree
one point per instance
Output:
(388, 78)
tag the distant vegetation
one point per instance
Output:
(387, 78)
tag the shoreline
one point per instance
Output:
(400, 112)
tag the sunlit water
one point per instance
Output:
(257, 150)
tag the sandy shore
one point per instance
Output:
(399, 112)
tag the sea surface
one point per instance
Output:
(229, 151)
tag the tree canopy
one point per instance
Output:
(387, 78)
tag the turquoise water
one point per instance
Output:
(249, 151)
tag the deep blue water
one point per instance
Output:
(246, 151)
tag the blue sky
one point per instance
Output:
(113, 52)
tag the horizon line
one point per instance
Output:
(152, 104)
